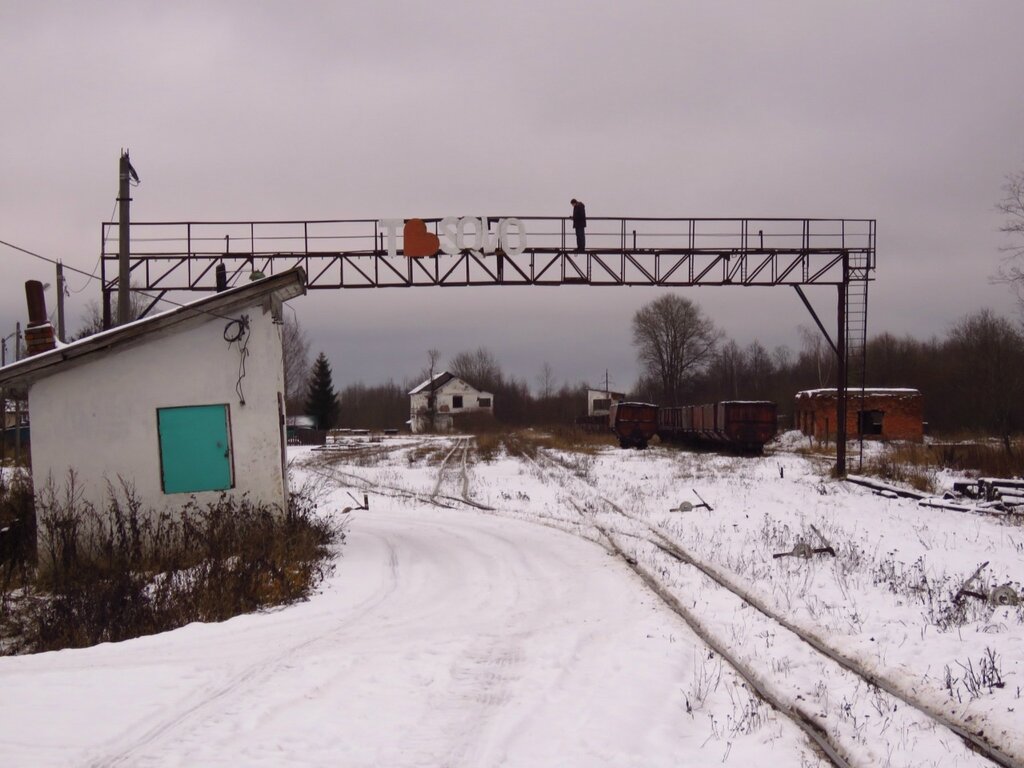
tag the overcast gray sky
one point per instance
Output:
(907, 112)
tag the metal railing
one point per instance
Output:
(361, 253)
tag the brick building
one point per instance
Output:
(884, 414)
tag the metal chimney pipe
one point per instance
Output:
(39, 333)
(36, 299)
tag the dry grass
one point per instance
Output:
(427, 453)
(988, 458)
(17, 532)
(571, 439)
(897, 464)
(916, 464)
(488, 446)
(125, 572)
(526, 442)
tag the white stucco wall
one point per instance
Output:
(99, 417)
(593, 395)
(419, 411)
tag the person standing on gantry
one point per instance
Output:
(579, 223)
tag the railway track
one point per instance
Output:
(323, 467)
(665, 565)
(834, 715)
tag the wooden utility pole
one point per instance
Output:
(60, 302)
(3, 403)
(125, 175)
(123, 241)
(17, 400)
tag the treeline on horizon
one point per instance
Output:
(972, 380)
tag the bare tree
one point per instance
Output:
(759, 368)
(433, 355)
(725, 372)
(546, 380)
(479, 368)
(92, 320)
(1012, 206)
(782, 357)
(987, 356)
(674, 342)
(295, 346)
(819, 353)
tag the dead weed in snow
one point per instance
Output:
(123, 572)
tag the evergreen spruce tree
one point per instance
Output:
(321, 402)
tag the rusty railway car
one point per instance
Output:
(742, 425)
(633, 423)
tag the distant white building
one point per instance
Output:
(185, 404)
(442, 400)
(599, 401)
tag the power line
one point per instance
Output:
(46, 258)
(103, 245)
(93, 277)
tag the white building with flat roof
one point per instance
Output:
(187, 404)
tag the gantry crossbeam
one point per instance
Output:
(180, 256)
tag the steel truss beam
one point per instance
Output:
(535, 266)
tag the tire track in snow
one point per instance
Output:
(254, 674)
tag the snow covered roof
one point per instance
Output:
(856, 392)
(438, 381)
(607, 393)
(282, 286)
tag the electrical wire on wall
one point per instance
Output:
(237, 332)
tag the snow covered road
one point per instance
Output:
(444, 638)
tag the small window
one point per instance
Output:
(871, 422)
(456, 401)
(602, 405)
(195, 448)
(484, 402)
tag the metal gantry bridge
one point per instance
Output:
(181, 256)
(173, 256)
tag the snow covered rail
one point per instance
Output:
(803, 720)
(324, 466)
(993, 498)
(460, 443)
(888, 690)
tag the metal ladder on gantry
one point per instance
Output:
(162, 257)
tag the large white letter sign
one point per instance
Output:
(504, 225)
(391, 227)
(449, 230)
(480, 231)
(510, 236)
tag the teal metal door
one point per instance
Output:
(195, 448)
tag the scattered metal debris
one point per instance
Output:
(1004, 595)
(964, 590)
(687, 506)
(805, 551)
(826, 545)
(365, 505)
(992, 496)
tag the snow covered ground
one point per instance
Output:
(459, 635)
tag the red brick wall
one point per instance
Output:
(903, 414)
